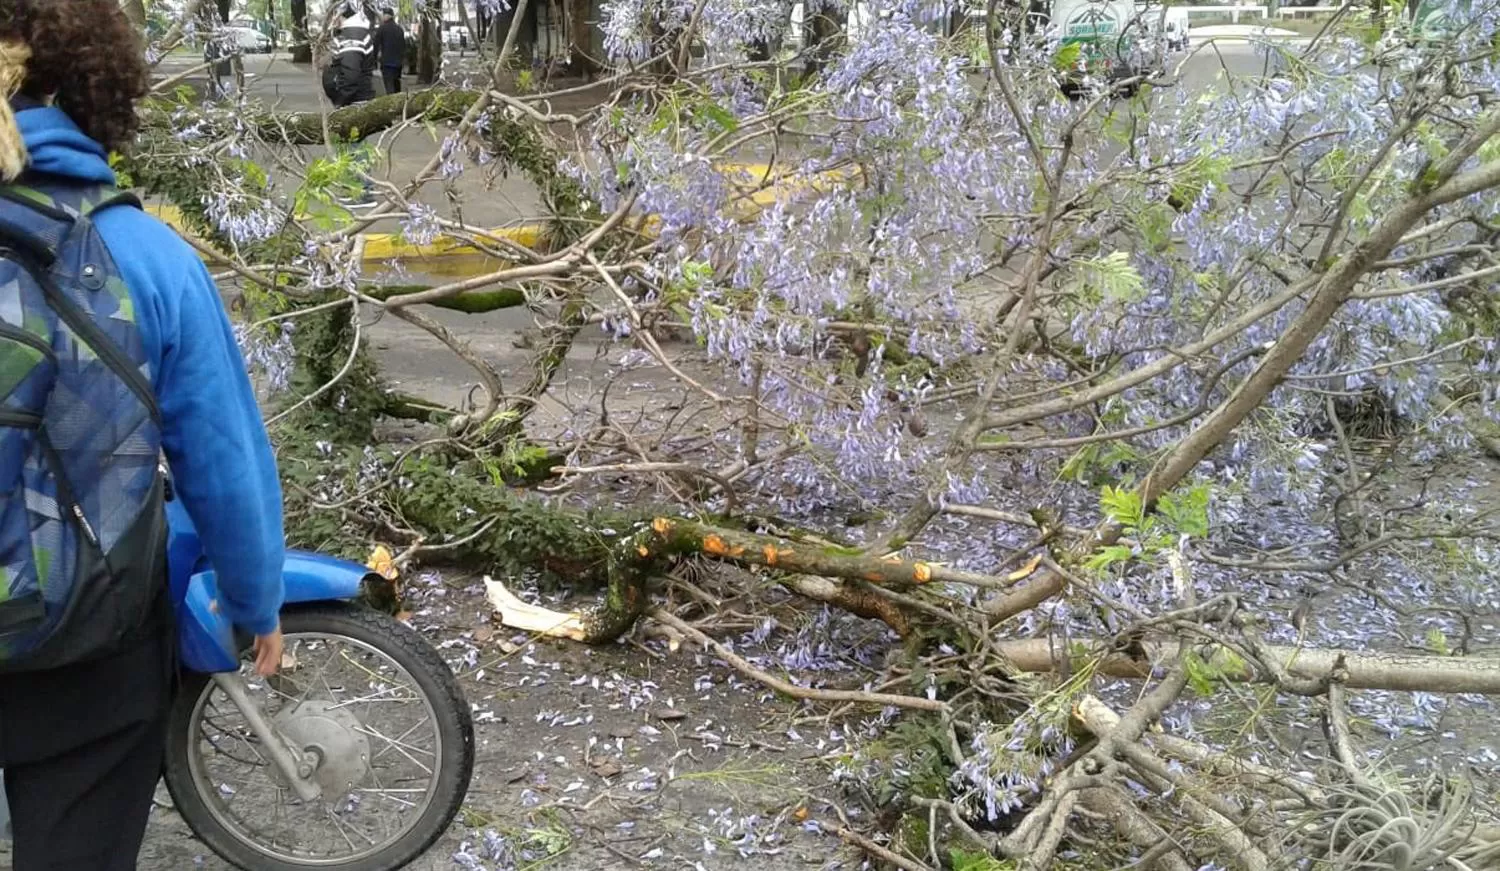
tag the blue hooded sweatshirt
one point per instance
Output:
(223, 469)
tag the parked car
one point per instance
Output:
(250, 41)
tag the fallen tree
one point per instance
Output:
(1046, 388)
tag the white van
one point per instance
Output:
(1177, 28)
(1171, 23)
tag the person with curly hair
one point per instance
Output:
(82, 744)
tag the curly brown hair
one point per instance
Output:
(87, 57)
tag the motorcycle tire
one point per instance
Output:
(430, 675)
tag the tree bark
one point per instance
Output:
(1398, 672)
(430, 43)
(525, 47)
(469, 26)
(580, 39)
(471, 302)
(135, 10)
(367, 119)
(301, 41)
(670, 538)
(823, 30)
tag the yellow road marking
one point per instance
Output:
(761, 186)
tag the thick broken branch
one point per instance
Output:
(471, 302)
(1357, 670)
(363, 120)
(826, 561)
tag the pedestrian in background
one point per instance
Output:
(353, 58)
(390, 48)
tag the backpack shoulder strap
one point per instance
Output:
(34, 226)
(38, 213)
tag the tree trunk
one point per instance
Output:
(580, 39)
(367, 118)
(430, 43)
(665, 44)
(823, 34)
(135, 10)
(225, 8)
(302, 44)
(469, 27)
(525, 47)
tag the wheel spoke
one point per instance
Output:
(335, 698)
(400, 748)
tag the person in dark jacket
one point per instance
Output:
(390, 48)
(353, 59)
(82, 745)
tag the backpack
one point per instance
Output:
(82, 519)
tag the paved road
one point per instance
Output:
(496, 201)
(290, 87)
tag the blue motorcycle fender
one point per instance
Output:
(206, 637)
(313, 577)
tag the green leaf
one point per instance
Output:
(1114, 277)
(1155, 223)
(1490, 150)
(1108, 556)
(1123, 506)
(1200, 674)
(1188, 183)
(1186, 511)
(1066, 57)
(719, 115)
(963, 860)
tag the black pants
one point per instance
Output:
(392, 76)
(82, 748)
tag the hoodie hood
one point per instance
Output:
(57, 147)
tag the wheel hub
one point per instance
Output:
(329, 738)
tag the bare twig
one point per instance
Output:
(661, 615)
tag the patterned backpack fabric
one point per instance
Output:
(82, 522)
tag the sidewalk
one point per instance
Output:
(1238, 33)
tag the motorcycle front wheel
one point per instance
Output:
(379, 723)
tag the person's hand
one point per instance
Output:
(268, 652)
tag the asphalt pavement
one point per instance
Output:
(500, 200)
(290, 87)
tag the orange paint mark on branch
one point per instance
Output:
(770, 553)
(662, 525)
(714, 545)
(1026, 570)
(922, 572)
(642, 550)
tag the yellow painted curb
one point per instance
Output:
(386, 246)
(748, 177)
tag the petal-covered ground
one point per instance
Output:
(616, 757)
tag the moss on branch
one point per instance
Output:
(463, 504)
(471, 302)
(361, 121)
